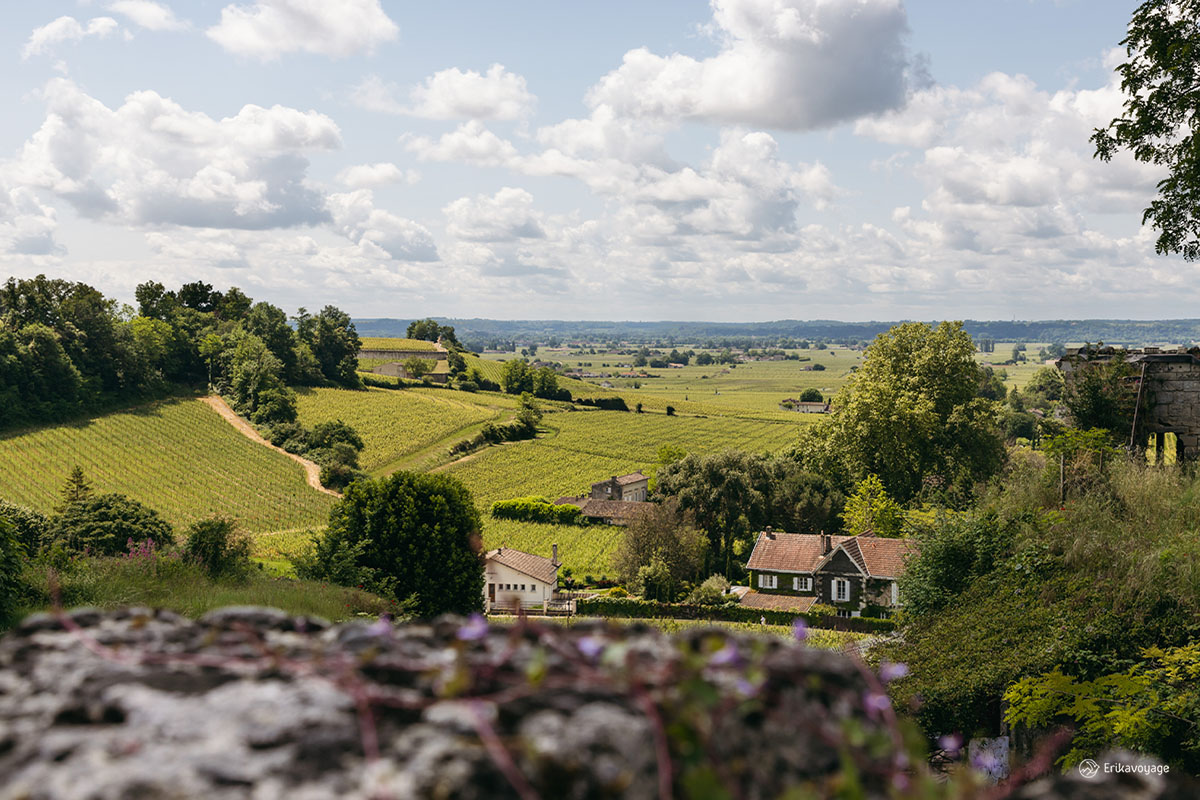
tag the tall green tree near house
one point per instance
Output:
(910, 415)
(1161, 121)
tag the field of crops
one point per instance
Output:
(178, 457)
(639, 436)
(394, 343)
(396, 424)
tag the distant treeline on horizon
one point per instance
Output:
(484, 331)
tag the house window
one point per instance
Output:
(768, 581)
(800, 584)
(841, 590)
(844, 612)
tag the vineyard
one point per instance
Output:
(639, 436)
(393, 343)
(396, 424)
(178, 457)
(585, 550)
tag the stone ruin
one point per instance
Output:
(1168, 383)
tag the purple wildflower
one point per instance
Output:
(476, 628)
(951, 743)
(727, 656)
(590, 646)
(800, 629)
(383, 626)
(876, 703)
(745, 688)
(892, 671)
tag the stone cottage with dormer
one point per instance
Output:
(854, 574)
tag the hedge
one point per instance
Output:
(603, 403)
(537, 509)
(635, 608)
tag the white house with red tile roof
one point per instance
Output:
(793, 571)
(512, 578)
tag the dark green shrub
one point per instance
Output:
(537, 509)
(339, 476)
(33, 527)
(633, 608)
(217, 546)
(419, 531)
(328, 434)
(291, 436)
(12, 559)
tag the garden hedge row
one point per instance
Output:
(635, 608)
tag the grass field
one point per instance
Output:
(178, 457)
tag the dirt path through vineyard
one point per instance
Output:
(311, 471)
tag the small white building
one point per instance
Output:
(513, 578)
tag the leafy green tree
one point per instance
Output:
(811, 395)
(154, 301)
(270, 324)
(104, 524)
(1102, 395)
(529, 414)
(713, 592)
(911, 413)
(430, 331)
(665, 533)
(545, 383)
(728, 495)
(420, 531)
(1162, 116)
(802, 502)
(417, 367)
(334, 342)
(871, 510)
(991, 385)
(516, 377)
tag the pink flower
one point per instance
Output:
(800, 629)
(892, 671)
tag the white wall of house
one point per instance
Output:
(512, 587)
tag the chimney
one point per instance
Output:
(554, 553)
(826, 543)
(768, 532)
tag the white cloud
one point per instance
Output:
(379, 233)
(451, 94)
(151, 162)
(27, 225)
(506, 216)
(789, 64)
(148, 14)
(471, 142)
(271, 28)
(368, 176)
(455, 94)
(65, 29)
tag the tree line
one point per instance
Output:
(66, 349)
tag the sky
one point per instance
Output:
(739, 160)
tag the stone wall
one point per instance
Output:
(254, 703)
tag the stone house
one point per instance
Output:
(794, 571)
(634, 487)
(512, 578)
